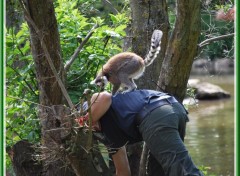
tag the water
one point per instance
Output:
(210, 132)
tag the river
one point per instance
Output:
(210, 132)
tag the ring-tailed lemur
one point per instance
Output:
(121, 69)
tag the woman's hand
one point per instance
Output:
(83, 121)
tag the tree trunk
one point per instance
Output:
(147, 16)
(181, 49)
(42, 13)
(23, 161)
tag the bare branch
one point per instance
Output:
(208, 41)
(40, 36)
(77, 51)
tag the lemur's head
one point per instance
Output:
(100, 81)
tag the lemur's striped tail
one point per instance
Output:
(155, 47)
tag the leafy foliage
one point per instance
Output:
(213, 28)
(210, 28)
(22, 90)
(205, 170)
(21, 122)
(96, 8)
(106, 41)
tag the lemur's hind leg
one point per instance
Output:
(127, 82)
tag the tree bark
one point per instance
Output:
(148, 15)
(22, 158)
(42, 13)
(181, 49)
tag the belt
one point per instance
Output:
(154, 103)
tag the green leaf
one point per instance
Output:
(112, 33)
(113, 18)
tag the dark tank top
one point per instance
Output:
(118, 123)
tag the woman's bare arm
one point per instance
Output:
(100, 103)
(121, 163)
